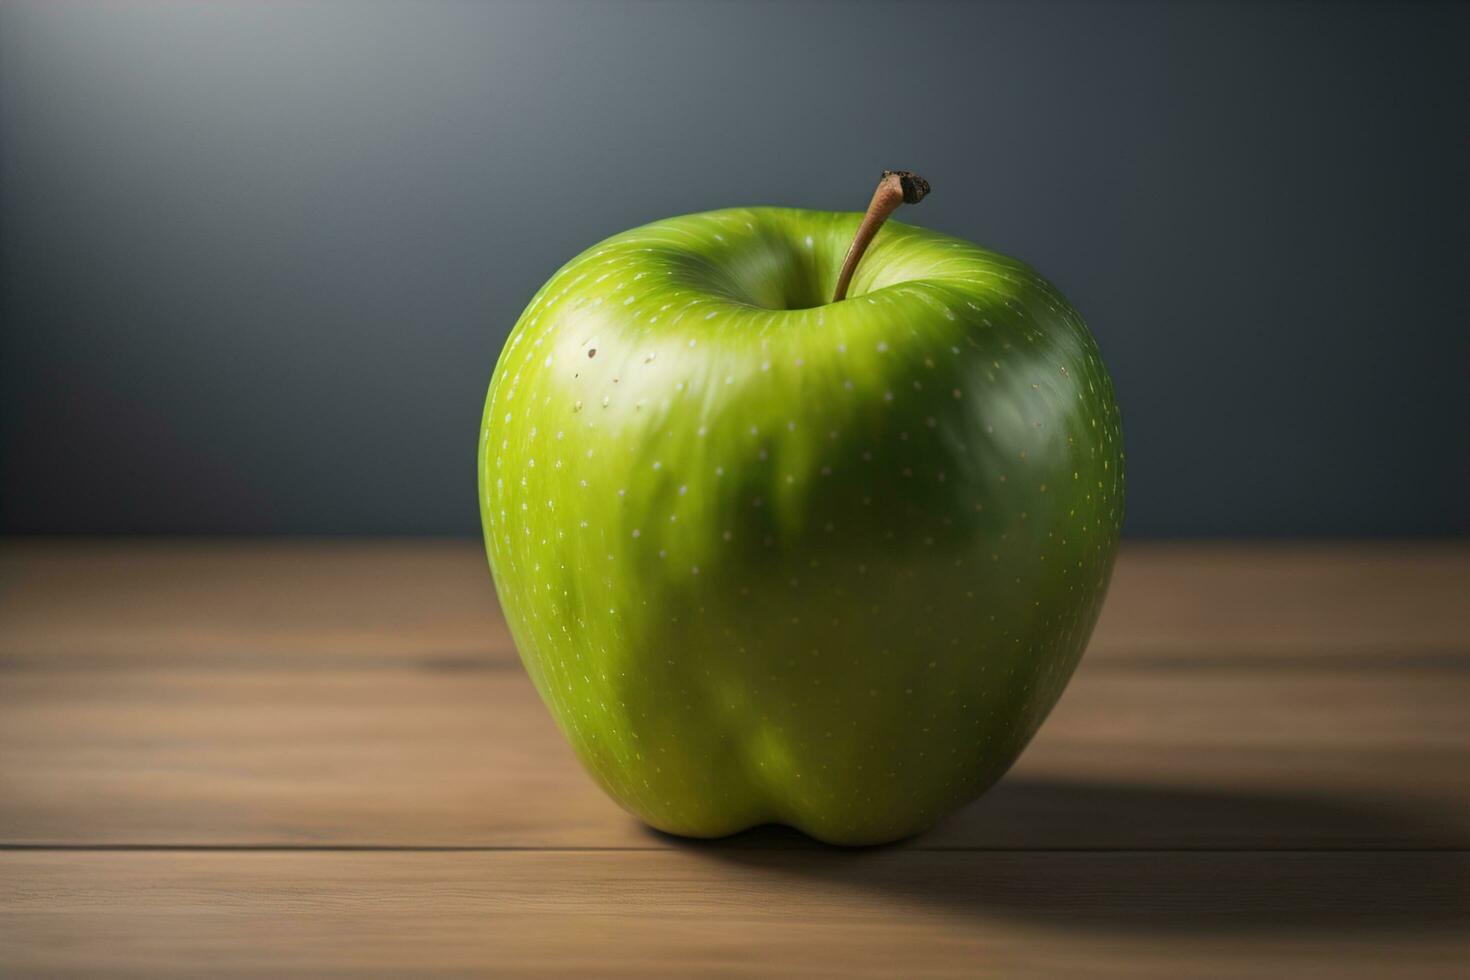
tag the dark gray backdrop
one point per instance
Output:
(257, 259)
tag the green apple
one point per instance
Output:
(770, 558)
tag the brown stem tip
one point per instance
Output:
(894, 188)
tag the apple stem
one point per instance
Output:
(894, 188)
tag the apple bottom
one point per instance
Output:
(856, 717)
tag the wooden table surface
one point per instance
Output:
(316, 757)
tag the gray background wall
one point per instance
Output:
(257, 259)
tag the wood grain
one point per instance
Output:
(286, 757)
(251, 603)
(699, 910)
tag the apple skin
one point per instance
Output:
(770, 559)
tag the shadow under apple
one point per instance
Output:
(1153, 859)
